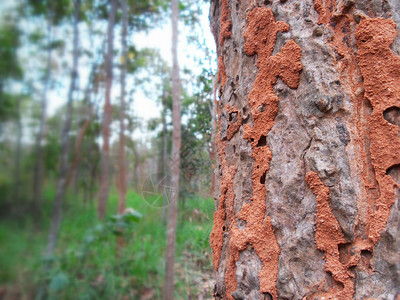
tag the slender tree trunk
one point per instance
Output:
(77, 152)
(136, 171)
(168, 292)
(165, 166)
(93, 180)
(121, 149)
(121, 174)
(105, 154)
(63, 172)
(17, 158)
(77, 157)
(308, 150)
(38, 168)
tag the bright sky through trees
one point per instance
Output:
(145, 106)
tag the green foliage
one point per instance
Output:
(51, 153)
(9, 43)
(86, 265)
(8, 106)
(145, 14)
(55, 10)
(58, 282)
(138, 59)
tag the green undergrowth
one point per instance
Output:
(87, 263)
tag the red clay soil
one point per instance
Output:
(328, 236)
(260, 38)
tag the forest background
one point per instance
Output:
(79, 220)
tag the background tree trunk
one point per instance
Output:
(105, 154)
(17, 157)
(308, 150)
(87, 116)
(168, 291)
(121, 149)
(63, 173)
(121, 174)
(165, 159)
(38, 168)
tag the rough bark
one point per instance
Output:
(64, 143)
(307, 177)
(105, 153)
(168, 290)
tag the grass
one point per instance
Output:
(86, 264)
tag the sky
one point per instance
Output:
(160, 38)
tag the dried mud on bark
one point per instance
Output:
(260, 38)
(328, 237)
(380, 68)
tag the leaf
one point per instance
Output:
(59, 282)
(114, 218)
(132, 216)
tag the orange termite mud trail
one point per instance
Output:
(380, 68)
(224, 212)
(225, 32)
(224, 217)
(328, 236)
(260, 36)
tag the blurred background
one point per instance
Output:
(85, 146)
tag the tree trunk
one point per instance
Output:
(105, 154)
(121, 174)
(308, 150)
(165, 180)
(168, 292)
(63, 171)
(121, 149)
(17, 157)
(38, 168)
(77, 151)
(88, 115)
(136, 171)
